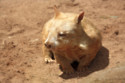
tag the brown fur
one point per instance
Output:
(81, 43)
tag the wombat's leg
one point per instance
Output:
(65, 64)
(49, 56)
(85, 61)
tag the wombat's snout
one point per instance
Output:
(48, 45)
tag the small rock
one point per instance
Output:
(117, 62)
(104, 0)
(72, 0)
(116, 32)
(9, 37)
(75, 4)
(114, 17)
(18, 71)
(34, 40)
(8, 64)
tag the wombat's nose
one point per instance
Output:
(47, 45)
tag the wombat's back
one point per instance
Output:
(90, 29)
(95, 42)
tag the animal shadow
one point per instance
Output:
(100, 62)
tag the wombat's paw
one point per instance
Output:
(82, 69)
(68, 72)
(49, 60)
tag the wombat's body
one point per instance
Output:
(73, 41)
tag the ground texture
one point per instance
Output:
(21, 23)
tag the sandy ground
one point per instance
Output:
(21, 23)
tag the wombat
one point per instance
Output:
(71, 39)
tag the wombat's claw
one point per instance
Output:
(81, 69)
(68, 72)
(49, 60)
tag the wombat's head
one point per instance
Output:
(65, 31)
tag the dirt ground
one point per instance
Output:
(21, 23)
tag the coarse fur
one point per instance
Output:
(70, 37)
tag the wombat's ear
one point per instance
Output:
(80, 17)
(56, 11)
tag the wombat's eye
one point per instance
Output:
(61, 34)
